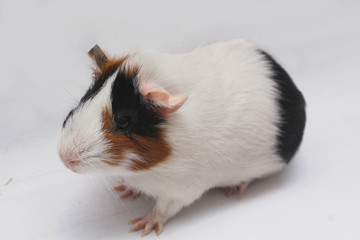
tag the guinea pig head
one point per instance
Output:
(119, 125)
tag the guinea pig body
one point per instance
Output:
(176, 125)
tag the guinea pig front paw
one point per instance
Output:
(126, 192)
(240, 188)
(148, 223)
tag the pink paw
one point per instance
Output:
(126, 192)
(241, 188)
(148, 223)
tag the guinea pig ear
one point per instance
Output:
(166, 102)
(99, 56)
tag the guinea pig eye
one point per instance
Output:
(123, 123)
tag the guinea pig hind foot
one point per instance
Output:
(126, 192)
(240, 188)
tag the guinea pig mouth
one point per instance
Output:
(71, 161)
(73, 164)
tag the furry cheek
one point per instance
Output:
(151, 151)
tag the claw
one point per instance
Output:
(127, 192)
(147, 229)
(147, 223)
(158, 228)
(138, 226)
(241, 188)
(230, 190)
(121, 187)
(133, 221)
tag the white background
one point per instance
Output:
(44, 70)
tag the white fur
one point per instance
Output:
(224, 134)
(83, 136)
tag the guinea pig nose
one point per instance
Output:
(71, 162)
(70, 159)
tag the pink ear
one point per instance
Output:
(168, 103)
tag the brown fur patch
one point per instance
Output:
(152, 150)
(104, 62)
(110, 66)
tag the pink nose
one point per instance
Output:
(70, 159)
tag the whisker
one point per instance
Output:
(105, 185)
(105, 192)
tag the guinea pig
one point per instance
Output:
(173, 126)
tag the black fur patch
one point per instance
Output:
(67, 117)
(292, 107)
(98, 83)
(94, 89)
(128, 105)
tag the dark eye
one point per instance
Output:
(123, 123)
